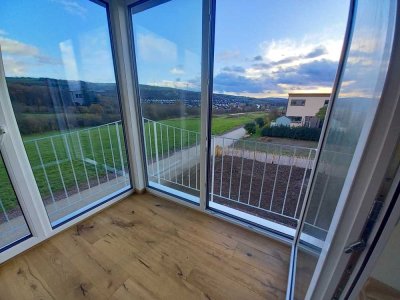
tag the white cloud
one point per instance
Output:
(72, 7)
(177, 71)
(15, 47)
(176, 84)
(20, 58)
(14, 67)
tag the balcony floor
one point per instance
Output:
(145, 247)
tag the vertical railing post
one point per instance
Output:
(120, 148)
(213, 167)
(67, 147)
(156, 148)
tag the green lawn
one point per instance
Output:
(98, 144)
(170, 137)
(101, 144)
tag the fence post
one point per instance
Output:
(67, 147)
(213, 167)
(156, 146)
(120, 149)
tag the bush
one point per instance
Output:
(297, 133)
(260, 122)
(250, 128)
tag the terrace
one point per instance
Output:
(139, 157)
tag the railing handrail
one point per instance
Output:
(71, 132)
(245, 141)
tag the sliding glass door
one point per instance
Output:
(357, 97)
(167, 44)
(61, 83)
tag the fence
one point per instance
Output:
(70, 167)
(264, 180)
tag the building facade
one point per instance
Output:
(302, 108)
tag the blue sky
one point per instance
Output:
(263, 47)
(56, 38)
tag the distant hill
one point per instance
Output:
(53, 92)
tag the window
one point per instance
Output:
(298, 102)
(13, 226)
(168, 58)
(326, 102)
(61, 82)
(296, 119)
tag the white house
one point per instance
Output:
(302, 108)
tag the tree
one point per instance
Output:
(250, 128)
(260, 122)
(321, 113)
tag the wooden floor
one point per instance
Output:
(148, 248)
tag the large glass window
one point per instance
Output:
(13, 226)
(264, 142)
(60, 77)
(167, 38)
(348, 127)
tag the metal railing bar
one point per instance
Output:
(59, 168)
(112, 151)
(120, 149)
(263, 178)
(230, 178)
(222, 166)
(302, 183)
(252, 172)
(94, 158)
(241, 174)
(276, 177)
(176, 158)
(4, 210)
(83, 159)
(104, 156)
(45, 172)
(288, 182)
(73, 168)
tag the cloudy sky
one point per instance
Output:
(263, 47)
(68, 39)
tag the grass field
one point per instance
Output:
(67, 160)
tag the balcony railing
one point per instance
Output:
(264, 183)
(79, 166)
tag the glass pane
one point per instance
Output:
(13, 226)
(383, 282)
(269, 102)
(61, 82)
(351, 119)
(168, 58)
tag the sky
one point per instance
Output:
(63, 39)
(263, 48)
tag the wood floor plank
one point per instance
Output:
(145, 247)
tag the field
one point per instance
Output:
(71, 161)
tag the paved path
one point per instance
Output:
(176, 163)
